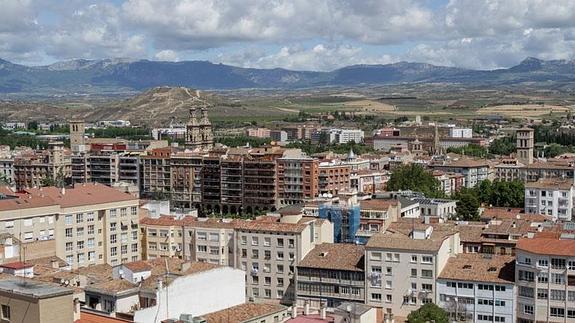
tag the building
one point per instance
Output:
(199, 131)
(270, 249)
(525, 144)
(297, 179)
(402, 265)
(334, 177)
(478, 288)
(460, 132)
(92, 223)
(331, 274)
(258, 132)
(553, 197)
(40, 167)
(107, 167)
(77, 136)
(345, 218)
(249, 313)
(473, 171)
(438, 208)
(279, 135)
(545, 279)
(156, 176)
(31, 301)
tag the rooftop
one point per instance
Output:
(244, 312)
(377, 204)
(335, 256)
(34, 289)
(398, 237)
(547, 246)
(551, 183)
(480, 268)
(85, 194)
(17, 265)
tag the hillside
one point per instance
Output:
(113, 77)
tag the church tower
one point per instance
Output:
(77, 133)
(525, 143)
(199, 132)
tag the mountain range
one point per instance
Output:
(110, 76)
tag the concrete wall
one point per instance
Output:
(198, 294)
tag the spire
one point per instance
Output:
(351, 154)
(193, 117)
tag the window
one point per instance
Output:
(255, 241)
(267, 280)
(202, 236)
(79, 218)
(134, 247)
(557, 263)
(134, 235)
(280, 282)
(214, 237)
(68, 232)
(9, 224)
(91, 229)
(544, 263)
(91, 255)
(134, 210)
(376, 297)
(389, 256)
(427, 287)
(571, 265)
(69, 246)
(28, 222)
(426, 273)
(291, 256)
(267, 254)
(69, 259)
(413, 258)
(465, 285)
(113, 226)
(388, 284)
(280, 269)
(80, 258)
(291, 243)
(124, 250)
(557, 312)
(526, 292)
(268, 293)
(90, 243)
(214, 250)
(558, 279)
(280, 242)
(80, 245)
(388, 271)
(113, 238)
(527, 276)
(396, 257)
(542, 277)
(68, 219)
(413, 272)
(542, 293)
(5, 312)
(557, 295)
(202, 248)
(375, 255)
(388, 298)
(90, 216)
(114, 251)
(528, 309)
(112, 213)
(426, 259)
(255, 254)
(267, 242)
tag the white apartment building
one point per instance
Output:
(553, 197)
(478, 288)
(545, 280)
(344, 136)
(402, 265)
(269, 251)
(460, 132)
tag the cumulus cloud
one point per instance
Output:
(466, 33)
(319, 57)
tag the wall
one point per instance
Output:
(197, 294)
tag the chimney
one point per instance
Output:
(185, 266)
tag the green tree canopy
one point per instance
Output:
(501, 193)
(469, 150)
(414, 177)
(467, 208)
(428, 313)
(502, 146)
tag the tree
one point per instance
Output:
(469, 150)
(502, 146)
(414, 177)
(428, 313)
(501, 193)
(467, 208)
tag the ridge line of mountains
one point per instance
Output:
(119, 76)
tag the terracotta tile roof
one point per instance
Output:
(547, 246)
(26, 201)
(397, 237)
(335, 256)
(377, 204)
(270, 224)
(190, 221)
(138, 266)
(177, 268)
(464, 163)
(6, 190)
(503, 213)
(551, 183)
(88, 317)
(113, 286)
(96, 273)
(17, 265)
(244, 312)
(86, 194)
(480, 268)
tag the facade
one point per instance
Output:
(156, 176)
(297, 179)
(553, 197)
(545, 280)
(199, 130)
(333, 178)
(478, 288)
(36, 168)
(525, 144)
(474, 171)
(269, 251)
(91, 224)
(402, 265)
(35, 302)
(331, 274)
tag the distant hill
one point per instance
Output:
(112, 76)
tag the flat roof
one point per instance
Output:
(34, 289)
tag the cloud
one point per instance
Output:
(167, 55)
(268, 33)
(317, 58)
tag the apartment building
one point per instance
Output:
(35, 302)
(403, 263)
(377, 214)
(156, 176)
(189, 238)
(473, 171)
(478, 288)
(331, 274)
(545, 279)
(269, 250)
(106, 168)
(334, 177)
(92, 223)
(553, 197)
(186, 180)
(297, 179)
(35, 168)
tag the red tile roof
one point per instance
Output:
(86, 194)
(17, 265)
(547, 246)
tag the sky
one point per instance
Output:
(317, 35)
